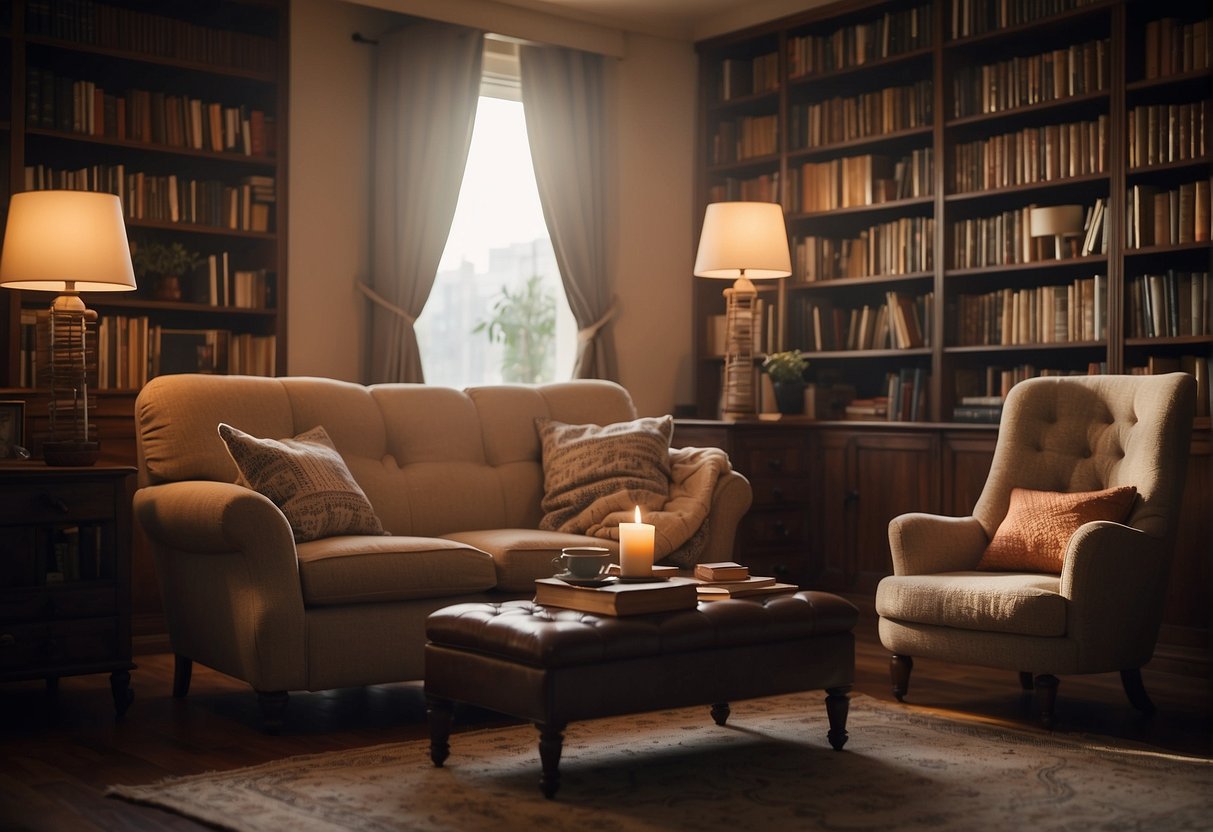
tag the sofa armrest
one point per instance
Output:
(924, 544)
(228, 570)
(730, 501)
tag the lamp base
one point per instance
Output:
(71, 453)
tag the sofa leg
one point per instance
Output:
(1135, 689)
(551, 742)
(440, 713)
(273, 709)
(1046, 697)
(1025, 680)
(720, 713)
(183, 671)
(838, 705)
(899, 670)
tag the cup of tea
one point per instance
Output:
(585, 562)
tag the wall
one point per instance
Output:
(653, 106)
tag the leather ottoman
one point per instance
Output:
(552, 666)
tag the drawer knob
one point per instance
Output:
(777, 494)
(775, 464)
(851, 496)
(781, 528)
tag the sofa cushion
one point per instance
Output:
(367, 570)
(307, 479)
(522, 555)
(1038, 526)
(1024, 604)
(583, 464)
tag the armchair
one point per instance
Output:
(1102, 612)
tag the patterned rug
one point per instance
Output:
(770, 768)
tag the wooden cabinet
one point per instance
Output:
(65, 574)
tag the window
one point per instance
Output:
(497, 312)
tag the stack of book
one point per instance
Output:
(984, 409)
(618, 599)
(721, 581)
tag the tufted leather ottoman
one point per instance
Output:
(552, 666)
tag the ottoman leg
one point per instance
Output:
(440, 713)
(837, 706)
(551, 740)
(720, 712)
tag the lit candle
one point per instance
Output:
(636, 548)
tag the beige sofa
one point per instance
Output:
(456, 478)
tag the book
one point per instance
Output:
(721, 571)
(658, 570)
(618, 598)
(752, 582)
(723, 593)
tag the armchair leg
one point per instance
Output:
(1135, 689)
(1025, 680)
(273, 709)
(899, 671)
(1046, 697)
(183, 669)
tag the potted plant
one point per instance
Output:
(786, 370)
(165, 264)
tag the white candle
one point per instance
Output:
(636, 548)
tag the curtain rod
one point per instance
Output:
(358, 37)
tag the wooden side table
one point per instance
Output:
(65, 538)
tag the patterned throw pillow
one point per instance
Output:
(584, 465)
(307, 479)
(1038, 526)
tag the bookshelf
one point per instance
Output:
(179, 110)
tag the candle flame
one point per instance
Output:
(637, 514)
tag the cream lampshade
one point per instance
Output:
(742, 241)
(66, 242)
(1058, 222)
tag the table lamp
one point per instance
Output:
(67, 242)
(742, 241)
(1058, 222)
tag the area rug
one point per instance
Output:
(769, 768)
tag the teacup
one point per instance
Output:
(584, 562)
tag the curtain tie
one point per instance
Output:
(385, 303)
(588, 333)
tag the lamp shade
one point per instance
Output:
(54, 238)
(1055, 220)
(743, 239)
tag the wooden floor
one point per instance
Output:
(58, 755)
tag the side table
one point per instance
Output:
(65, 536)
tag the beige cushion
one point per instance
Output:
(1025, 604)
(307, 479)
(1038, 526)
(522, 555)
(364, 570)
(583, 464)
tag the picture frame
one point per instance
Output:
(12, 429)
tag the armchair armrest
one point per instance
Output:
(922, 544)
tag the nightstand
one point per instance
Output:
(65, 538)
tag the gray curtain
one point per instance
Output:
(427, 82)
(562, 97)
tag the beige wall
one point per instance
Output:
(653, 104)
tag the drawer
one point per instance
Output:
(775, 527)
(780, 458)
(58, 602)
(774, 492)
(66, 502)
(33, 647)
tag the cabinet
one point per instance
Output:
(65, 574)
(909, 143)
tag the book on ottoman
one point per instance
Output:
(724, 571)
(618, 598)
(752, 588)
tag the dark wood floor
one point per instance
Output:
(58, 755)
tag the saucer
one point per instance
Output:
(601, 580)
(640, 579)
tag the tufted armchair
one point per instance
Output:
(1102, 612)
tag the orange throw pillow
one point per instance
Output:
(1034, 534)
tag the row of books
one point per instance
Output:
(1078, 69)
(1170, 305)
(170, 198)
(1160, 217)
(988, 386)
(1030, 155)
(1164, 133)
(842, 119)
(740, 77)
(854, 181)
(1005, 239)
(1038, 315)
(744, 138)
(761, 188)
(114, 27)
(1173, 47)
(976, 17)
(906, 399)
(56, 102)
(71, 553)
(901, 246)
(240, 288)
(893, 33)
(1199, 367)
(901, 322)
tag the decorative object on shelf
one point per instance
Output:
(164, 264)
(786, 370)
(742, 241)
(1061, 222)
(67, 242)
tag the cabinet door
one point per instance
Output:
(966, 466)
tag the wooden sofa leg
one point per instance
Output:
(273, 709)
(1135, 689)
(899, 671)
(183, 670)
(551, 743)
(1046, 697)
(440, 713)
(838, 705)
(1025, 680)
